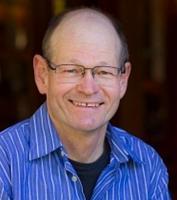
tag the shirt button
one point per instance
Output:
(62, 153)
(74, 178)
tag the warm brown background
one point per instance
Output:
(149, 109)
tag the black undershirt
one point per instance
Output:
(89, 173)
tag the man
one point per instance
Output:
(68, 150)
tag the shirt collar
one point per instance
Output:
(121, 149)
(43, 137)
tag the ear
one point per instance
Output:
(124, 79)
(40, 73)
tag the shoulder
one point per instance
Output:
(13, 145)
(14, 128)
(14, 135)
(137, 148)
(147, 164)
(130, 141)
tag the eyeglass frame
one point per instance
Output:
(53, 66)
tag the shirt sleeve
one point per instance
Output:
(4, 176)
(159, 180)
(161, 191)
(3, 193)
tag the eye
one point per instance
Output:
(104, 71)
(69, 70)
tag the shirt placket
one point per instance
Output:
(105, 182)
(75, 183)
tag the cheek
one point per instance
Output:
(53, 91)
(123, 88)
(113, 95)
(57, 92)
(119, 89)
(115, 98)
(112, 103)
(54, 100)
(116, 95)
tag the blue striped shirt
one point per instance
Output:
(34, 166)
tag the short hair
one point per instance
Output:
(56, 21)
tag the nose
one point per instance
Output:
(87, 84)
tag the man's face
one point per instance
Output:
(85, 105)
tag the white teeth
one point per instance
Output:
(84, 104)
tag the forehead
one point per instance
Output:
(83, 32)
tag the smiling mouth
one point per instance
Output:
(86, 104)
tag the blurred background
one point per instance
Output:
(149, 109)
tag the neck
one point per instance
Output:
(84, 147)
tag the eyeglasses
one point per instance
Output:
(73, 73)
